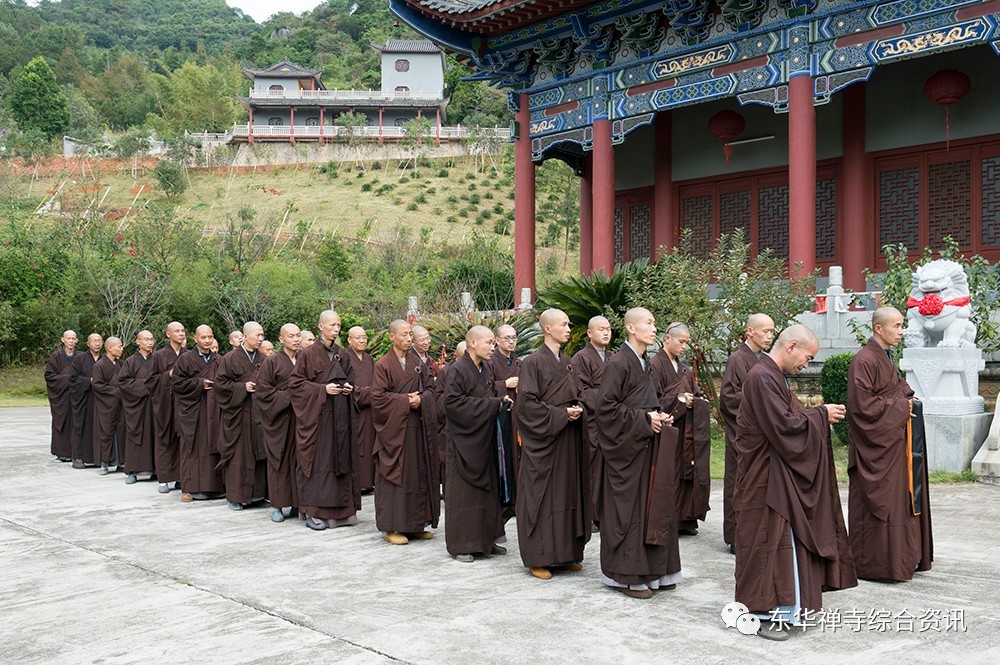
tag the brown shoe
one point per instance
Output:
(636, 593)
(541, 573)
(421, 535)
(572, 567)
(394, 538)
(186, 498)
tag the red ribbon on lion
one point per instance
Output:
(932, 305)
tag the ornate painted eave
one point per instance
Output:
(485, 17)
(624, 60)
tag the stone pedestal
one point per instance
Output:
(946, 380)
(986, 463)
(952, 441)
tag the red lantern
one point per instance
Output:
(726, 125)
(945, 88)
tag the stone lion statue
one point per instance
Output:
(938, 309)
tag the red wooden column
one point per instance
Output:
(437, 123)
(857, 238)
(664, 224)
(801, 174)
(587, 216)
(291, 124)
(420, 137)
(604, 197)
(322, 121)
(524, 204)
(380, 125)
(250, 126)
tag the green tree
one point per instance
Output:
(201, 98)
(36, 101)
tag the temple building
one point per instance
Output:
(288, 102)
(825, 129)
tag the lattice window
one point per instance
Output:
(772, 219)
(312, 122)
(640, 231)
(619, 235)
(991, 202)
(899, 207)
(826, 219)
(696, 214)
(275, 122)
(949, 202)
(402, 65)
(735, 213)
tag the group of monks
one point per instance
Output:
(610, 442)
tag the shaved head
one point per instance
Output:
(477, 333)
(599, 332)
(598, 322)
(549, 317)
(460, 349)
(506, 329)
(204, 338)
(251, 327)
(883, 315)
(327, 316)
(677, 328)
(112, 341)
(307, 338)
(555, 326)
(396, 326)
(419, 330)
(759, 320)
(636, 314)
(329, 326)
(69, 340)
(174, 325)
(797, 333)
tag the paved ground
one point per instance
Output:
(95, 571)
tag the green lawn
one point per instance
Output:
(22, 386)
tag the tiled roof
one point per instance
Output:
(285, 68)
(407, 46)
(456, 6)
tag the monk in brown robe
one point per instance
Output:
(166, 438)
(109, 430)
(639, 474)
(474, 519)
(407, 485)
(272, 399)
(267, 348)
(57, 386)
(680, 397)
(308, 338)
(791, 544)
(242, 458)
(364, 429)
(83, 401)
(759, 334)
(196, 417)
(889, 509)
(505, 367)
(235, 339)
(554, 506)
(421, 349)
(589, 363)
(442, 420)
(320, 389)
(137, 410)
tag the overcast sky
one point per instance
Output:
(261, 10)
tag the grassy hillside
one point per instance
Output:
(444, 200)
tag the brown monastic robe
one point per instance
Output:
(57, 385)
(361, 419)
(888, 541)
(407, 485)
(737, 366)
(329, 488)
(272, 399)
(442, 423)
(589, 368)
(137, 413)
(83, 406)
(166, 438)
(196, 417)
(639, 476)
(694, 428)
(554, 506)
(242, 459)
(503, 368)
(786, 484)
(473, 520)
(109, 429)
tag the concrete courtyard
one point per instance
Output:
(95, 571)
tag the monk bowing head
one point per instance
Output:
(796, 346)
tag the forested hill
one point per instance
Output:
(174, 65)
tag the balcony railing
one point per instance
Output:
(334, 95)
(333, 131)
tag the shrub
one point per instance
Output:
(488, 195)
(452, 219)
(472, 187)
(474, 199)
(833, 379)
(498, 208)
(421, 198)
(452, 199)
(430, 191)
(366, 187)
(501, 227)
(463, 213)
(411, 206)
(443, 173)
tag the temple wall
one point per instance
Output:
(899, 115)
